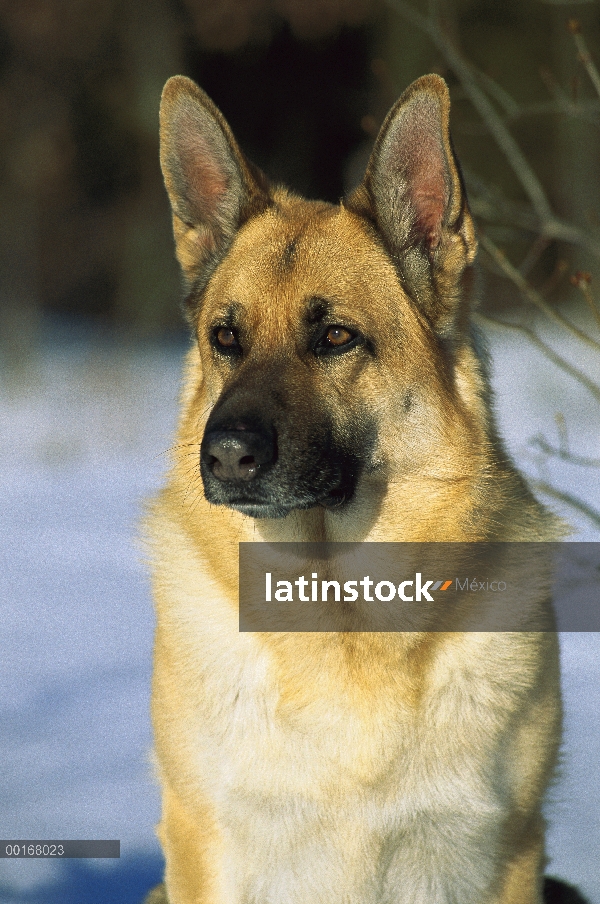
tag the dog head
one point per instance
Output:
(319, 324)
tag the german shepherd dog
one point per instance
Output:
(334, 392)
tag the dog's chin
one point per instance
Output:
(261, 510)
(334, 499)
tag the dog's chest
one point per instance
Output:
(343, 772)
(279, 726)
(329, 786)
(283, 716)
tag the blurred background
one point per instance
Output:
(305, 85)
(91, 342)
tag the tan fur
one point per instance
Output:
(342, 768)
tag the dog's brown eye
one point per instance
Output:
(226, 337)
(336, 340)
(337, 335)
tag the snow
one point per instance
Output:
(84, 427)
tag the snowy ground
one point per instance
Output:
(80, 448)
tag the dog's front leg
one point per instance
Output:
(192, 848)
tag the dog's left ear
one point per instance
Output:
(413, 192)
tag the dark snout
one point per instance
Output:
(265, 457)
(238, 454)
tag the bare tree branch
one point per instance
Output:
(559, 361)
(491, 205)
(582, 280)
(533, 255)
(502, 97)
(564, 102)
(587, 110)
(530, 293)
(584, 54)
(564, 454)
(542, 487)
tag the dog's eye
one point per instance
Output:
(336, 339)
(338, 335)
(226, 339)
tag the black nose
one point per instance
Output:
(237, 454)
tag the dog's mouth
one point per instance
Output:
(279, 508)
(274, 491)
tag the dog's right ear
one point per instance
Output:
(212, 187)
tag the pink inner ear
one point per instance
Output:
(205, 177)
(429, 196)
(416, 158)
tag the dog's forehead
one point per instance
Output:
(316, 239)
(301, 250)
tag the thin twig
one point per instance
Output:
(500, 95)
(560, 96)
(563, 435)
(588, 110)
(582, 280)
(542, 487)
(592, 387)
(584, 54)
(495, 209)
(530, 293)
(564, 454)
(533, 255)
(493, 206)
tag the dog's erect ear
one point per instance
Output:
(212, 187)
(413, 192)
